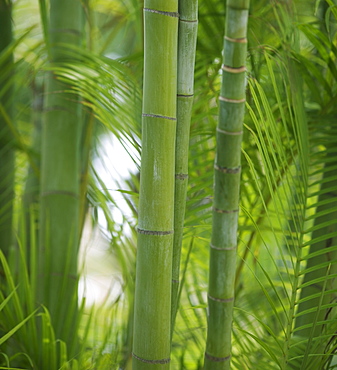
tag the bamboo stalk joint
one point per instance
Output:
(216, 359)
(222, 249)
(160, 362)
(229, 132)
(154, 232)
(168, 14)
(217, 210)
(233, 69)
(158, 116)
(241, 40)
(231, 170)
(181, 176)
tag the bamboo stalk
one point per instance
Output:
(226, 189)
(60, 169)
(151, 346)
(6, 137)
(187, 39)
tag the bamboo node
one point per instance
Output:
(158, 116)
(169, 14)
(233, 69)
(222, 300)
(229, 132)
(188, 20)
(162, 362)
(185, 95)
(175, 281)
(181, 176)
(222, 249)
(230, 170)
(241, 40)
(237, 101)
(217, 210)
(154, 232)
(216, 359)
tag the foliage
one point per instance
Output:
(288, 187)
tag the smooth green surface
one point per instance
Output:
(236, 23)
(162, 5)
(181, 182)
(233, 85)
(186, 55)
(153, 314)
(235, 52)
(222, 265)
(160, 64)
(155, 208)
(232, 116)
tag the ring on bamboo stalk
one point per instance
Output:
(222, 300)
(231, 170)
(158, 116)
(217, 210)
(216, 359)
(154, 232)
(242, 40)
(163, 361)
(169, 14)
(229, 132)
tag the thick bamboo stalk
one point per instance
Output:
(187, 39)
(60, 169)
(226, 189)
(6, 137)
(151, 347)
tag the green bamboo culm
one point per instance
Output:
(223, 248)
(187, 39)
(60, 169)
(6, 137)
(152, 319)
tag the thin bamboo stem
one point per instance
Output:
(152, 320)
(226, 189)
(187, 39)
